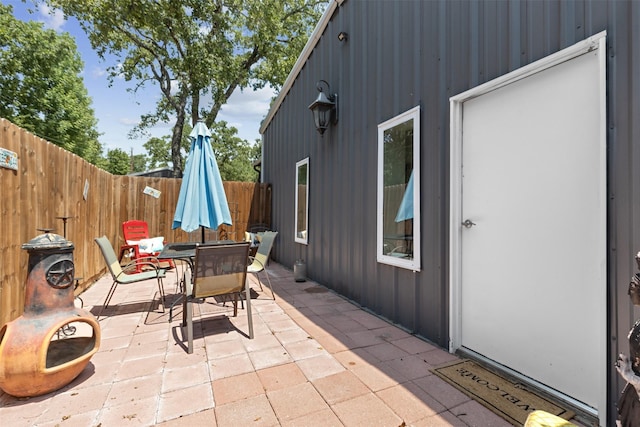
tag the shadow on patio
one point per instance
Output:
(316, 360)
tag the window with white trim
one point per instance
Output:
(398, 192)
(302, 201)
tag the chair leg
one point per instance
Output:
(257, 274)
(269, 285)
(235, 305)
(187, 322)
(162, 295)
(112, 290)
(187, 313)
(181, 297)
(240, 297)
(259, 281)
(249, 315)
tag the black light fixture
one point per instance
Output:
(324, 107)
(342, 36)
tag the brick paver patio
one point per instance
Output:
(316, 360)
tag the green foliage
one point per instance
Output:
(139, 163)
(159, 150)
(41, 88)
(118, 162)
(196, 53)
(235, 156)
(398, 153)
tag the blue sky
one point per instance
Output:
(118, 111)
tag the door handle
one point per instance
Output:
(468, 223)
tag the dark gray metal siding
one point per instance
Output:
(405, 53)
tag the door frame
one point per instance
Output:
(597, 41)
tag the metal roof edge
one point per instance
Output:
(302, 59)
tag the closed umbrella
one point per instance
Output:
(202, 201)
(405, 211)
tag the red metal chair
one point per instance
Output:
(138, 245)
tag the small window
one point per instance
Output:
(398, 234)
(302, 201)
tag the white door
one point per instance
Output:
(531, 278)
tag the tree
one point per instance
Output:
(41, 89)
(235, 156)
(138, 163)
(195, 52)
(118, 162)
(159, 150)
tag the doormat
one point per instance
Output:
(512, 401)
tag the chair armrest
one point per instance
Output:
(254, 259)
(149, 261)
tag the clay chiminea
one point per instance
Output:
(52, 342)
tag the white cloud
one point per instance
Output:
(164, 125)
(128, 121)
(98, 72)
(245, 110)
(52, 18)
(120, 75)
(159, 129)
(248, 103)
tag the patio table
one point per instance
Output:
(185, 252)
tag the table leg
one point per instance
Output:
(180, 287)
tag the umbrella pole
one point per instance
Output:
(202, 228)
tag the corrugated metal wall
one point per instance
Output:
(400, 54)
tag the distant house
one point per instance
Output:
(165, 172)
(477, 183)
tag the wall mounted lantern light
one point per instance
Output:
(324, 107)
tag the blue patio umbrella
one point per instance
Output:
(202, 201)
(405, 211)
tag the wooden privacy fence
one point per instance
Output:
(51, 182)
